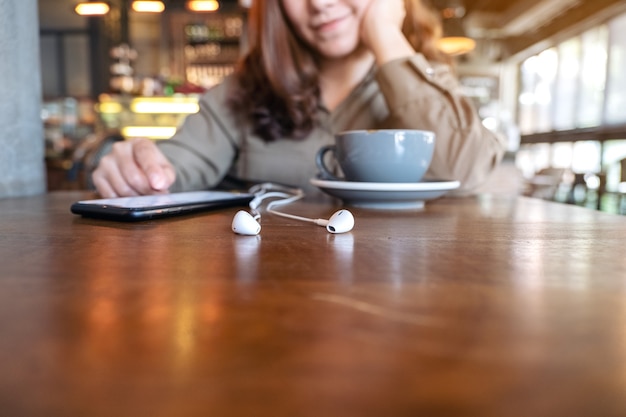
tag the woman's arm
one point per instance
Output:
(425, 95)
(203, 149)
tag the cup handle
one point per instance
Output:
(321, 165)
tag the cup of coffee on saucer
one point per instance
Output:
(389, 155)
(381, 168)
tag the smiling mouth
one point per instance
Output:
(330, 25)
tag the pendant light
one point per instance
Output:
(148, 6)
(92, 8)
(203, 5)
(455, 40)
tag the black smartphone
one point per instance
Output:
(157, 206)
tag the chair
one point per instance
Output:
(621, 188)
(577, 193)
(545, 183)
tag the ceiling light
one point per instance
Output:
(148, 6)
(93, 8)
(203, 5)
(456, 45)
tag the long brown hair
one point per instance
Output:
(276, 88)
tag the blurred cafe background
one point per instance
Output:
(547, 74)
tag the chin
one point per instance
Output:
(337, 50)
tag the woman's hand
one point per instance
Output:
(134, 167)
(381, 30)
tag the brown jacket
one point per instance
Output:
(407, 93)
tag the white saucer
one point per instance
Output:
(385, 195)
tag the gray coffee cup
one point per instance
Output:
(385, 155)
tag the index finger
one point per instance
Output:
(157, 168)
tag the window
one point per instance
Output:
(538, 74)
(616, 83)
(593, 77)
(566, 85)
(65, 63)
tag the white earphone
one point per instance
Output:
(245, 223)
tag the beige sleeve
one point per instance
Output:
(205, 146)
(422, 95)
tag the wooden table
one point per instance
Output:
(490, 306)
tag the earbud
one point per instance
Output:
(340, 222)
(245, 224)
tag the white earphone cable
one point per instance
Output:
(249, 223)
(287, 195)
(272, 204)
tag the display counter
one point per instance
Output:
(147, 117)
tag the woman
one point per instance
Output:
(314, 68)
